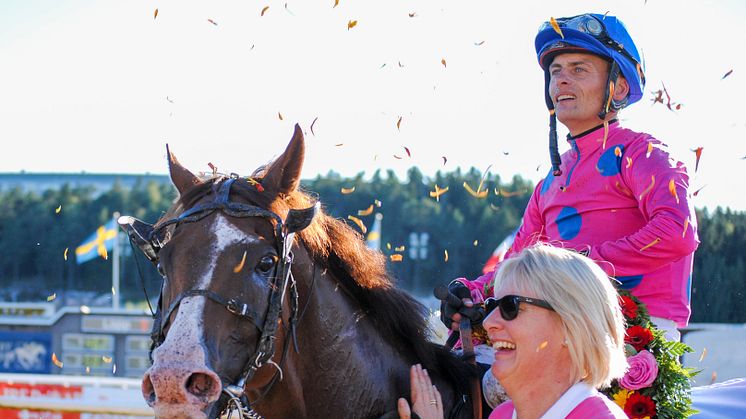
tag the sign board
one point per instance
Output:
(116, 324)
(25, 352)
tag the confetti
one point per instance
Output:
(494, 207)
(698, 153)
(407, 151)
(479, 43)
(396, 258)
(378, 203)
(443, 61)
(658, 96)
(288, 10)
(366, 211)
(445, 160)
(336, 3)
(542, 345)
(476, 242)
(168, 99)
(314, 121)
(239, 267)
(606, 134)
(438, 192)
(556, 27)
(508, 194)
(672, 189)
(65, 254)
(339, 145)
(400, 248)
(351, 24)
(85, 309)
(397, 157)
(650, 150)
(213, 168)
(617, 151)
(476, 194)
(398, 123)
(264, 10)
(56, 361)
(358, 222)
(388, 246)
(697, 191)
(445, 255)
(212, 21)
(51, 297)
(686, 225)
(629, 162)
(413, 14)
(279, 115)
(347, 191)
(58, 209)
(704, 353)
(106, 359)
(401, 65)
(649, 188)
(155, 14)
(713, 377)
(727, 74)
(651, 244)
(113, 291)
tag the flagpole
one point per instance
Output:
(115, 271)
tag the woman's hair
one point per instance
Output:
(582, 294)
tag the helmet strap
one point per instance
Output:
(609, 104)
(554, 155)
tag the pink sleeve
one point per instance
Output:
(670, 233)
(529, 232)
(503, 411)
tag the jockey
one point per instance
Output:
(616, 195)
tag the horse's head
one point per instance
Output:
(223, 251)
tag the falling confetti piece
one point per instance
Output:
(396, 258)
(114, 369)
(378, 203)
(476, 242)
(445, 255)
(85, 309)
(65, 254)
(314, 121)
(438, 192)
(413, 14)
(727, 74)
(686, 225)
(113, 291)
(617, 151)
(339, 145)
(542, 345)
(279, 115)
(397, 157)
(651, 244)
(401, 65)
(366, 211)
(697, 153)
(104, 253)
(443, 61)
(649, 188)
(479, 43)
(494, 207)
(336, 3)
(264, 10)
(239, 267)
(288, 10)
(58, 209)
(629, 162)
(409, 154)
(347, 191)
(398, 123)
(51, 297)
(212, 21)
(556, 27)
(213, 168)
(351, 24)
(606, 133)
(388, 246)
(476, 194)
(445, 160)
(106, 359)
(168, 99)
(56, 361)
(399, 248)
(672, 189)
(650, 150)
(358, 222)
(155, 15)
(713, 377)
(508, 194)
(704, 353)
(697, 191)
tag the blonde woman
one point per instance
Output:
(558, 332)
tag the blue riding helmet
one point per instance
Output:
(605, 36)
(601, 35)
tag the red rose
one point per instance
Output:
(638, 337)
(639, 406)
(629, 308)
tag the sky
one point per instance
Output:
(102, 86)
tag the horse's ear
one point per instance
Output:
(181, 177)
(283, 175)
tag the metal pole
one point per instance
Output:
(115, 271)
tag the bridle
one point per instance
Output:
(151, 239)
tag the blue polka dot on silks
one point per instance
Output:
(568, 223)
(547, 182)
(629, 282)
(610, 164)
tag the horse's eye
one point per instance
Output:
(161, 270)
(266, 264)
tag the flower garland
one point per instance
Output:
(656, 385)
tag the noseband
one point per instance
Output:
(152, 240)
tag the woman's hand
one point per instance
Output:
(426, 401)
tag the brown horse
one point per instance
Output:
(297, 326)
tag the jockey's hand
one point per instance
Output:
(451, 314)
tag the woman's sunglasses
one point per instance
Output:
(510, 304)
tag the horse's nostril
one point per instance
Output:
(148, 391)
(202, 385)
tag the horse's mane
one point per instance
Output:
(361, 271)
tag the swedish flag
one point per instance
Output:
(98, 243)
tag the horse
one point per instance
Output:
(274, 308)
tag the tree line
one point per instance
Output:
(464, 218)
